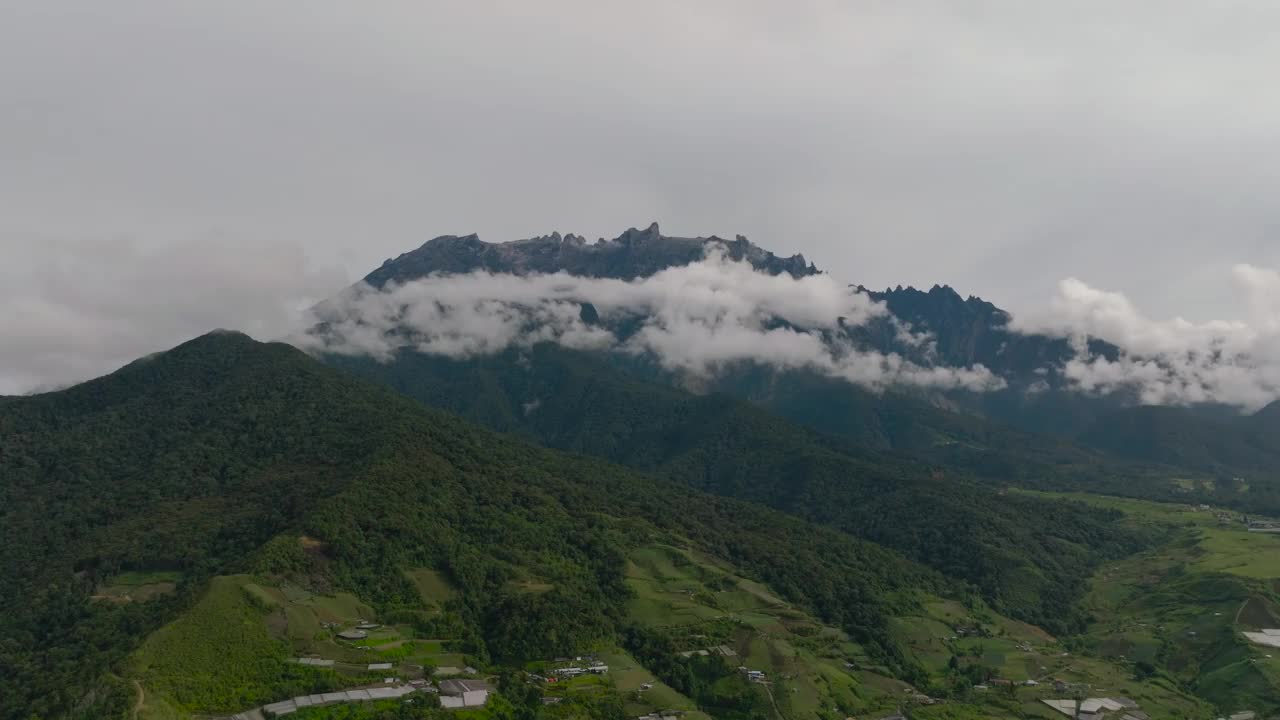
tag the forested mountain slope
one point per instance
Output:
(191, 462)
(1027, 557)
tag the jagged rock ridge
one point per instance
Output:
(634, 253)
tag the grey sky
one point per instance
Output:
(172, 165)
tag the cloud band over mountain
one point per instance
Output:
(695, 318)
(90, 312)
(1170, 362)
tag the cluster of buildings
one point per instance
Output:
(453, 694)
(292, 705)
(359, 632)
(1097, 708)
(1225, 517)
(590, 665)
(325, 662)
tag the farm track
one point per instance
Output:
(142, 698)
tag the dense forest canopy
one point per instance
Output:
(1028, 556)
(196, 459)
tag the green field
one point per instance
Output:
(1254, 555)
(1181, 606)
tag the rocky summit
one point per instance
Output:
(635, 253)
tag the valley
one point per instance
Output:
(1183, 608)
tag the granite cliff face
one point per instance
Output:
(965, 332)
(635, 253)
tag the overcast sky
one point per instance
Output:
(169, 166)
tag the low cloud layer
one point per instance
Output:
(695, 319)
(75, 309)
(1171, 362)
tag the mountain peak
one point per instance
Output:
(650, 232)
(634, 253)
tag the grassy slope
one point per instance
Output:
(1181, 606)
(819, 672)
(221, 655)
(816, 671)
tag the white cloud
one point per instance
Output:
(1174, 361)
(77, 308)
(695, 319)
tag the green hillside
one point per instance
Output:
(191, 462)
(1237, 455)
(1028, 557)
(179, 534)
(690, 624)
(1178, 610)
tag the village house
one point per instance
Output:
(463, 693)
